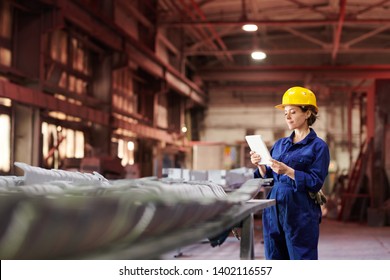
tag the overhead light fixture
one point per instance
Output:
(258, 55)
(249, 27)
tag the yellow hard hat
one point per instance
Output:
(298, 96)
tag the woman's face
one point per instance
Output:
(295, 117)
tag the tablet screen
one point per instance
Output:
(257, 145)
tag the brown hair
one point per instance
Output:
(313, 116)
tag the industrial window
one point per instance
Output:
(5, 155)
(68, 64)
(123, 98)
(126, 152)
(5, 33)
(133, 94)
(5, 57)
(175, 106)
(146, 87)
(60, 143)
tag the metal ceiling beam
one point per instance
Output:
(201, 34)
(369, 8)
(343, 49)
(306, 37)
(201, 43)
(148, 61)
(108, 33)
(215, 88)
(133, 11)
(212, 30)
(289, 23)
(198, 33)
(145, 131)
(96, 27)
(310, 7)
(168, 44)
(304, 67)
(366, 35)
(246, 88)
(298, 73)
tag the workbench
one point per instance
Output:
(153, 248)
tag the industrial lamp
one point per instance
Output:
(258, 55)
(249, 27)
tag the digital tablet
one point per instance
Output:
(257, 145)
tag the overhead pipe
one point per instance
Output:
(337, 35)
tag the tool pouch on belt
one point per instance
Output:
(318, 197)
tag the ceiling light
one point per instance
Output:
(249, 27)
(258, 55)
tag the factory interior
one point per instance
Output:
(123, 124)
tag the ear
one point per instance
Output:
(308, 114)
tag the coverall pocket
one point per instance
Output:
(301, 163)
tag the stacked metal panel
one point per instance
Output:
(49, 214)
(228, 179)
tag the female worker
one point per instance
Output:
(299, 166)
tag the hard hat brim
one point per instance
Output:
(281, 106)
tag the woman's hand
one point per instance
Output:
(255, 158)
(281, 168)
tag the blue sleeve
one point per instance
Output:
(313, 179)
(256, 174)
(268, 173)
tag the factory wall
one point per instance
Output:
(232, 123)
(117, 84)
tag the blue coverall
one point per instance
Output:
(291, 227)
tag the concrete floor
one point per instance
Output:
(338, 241)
